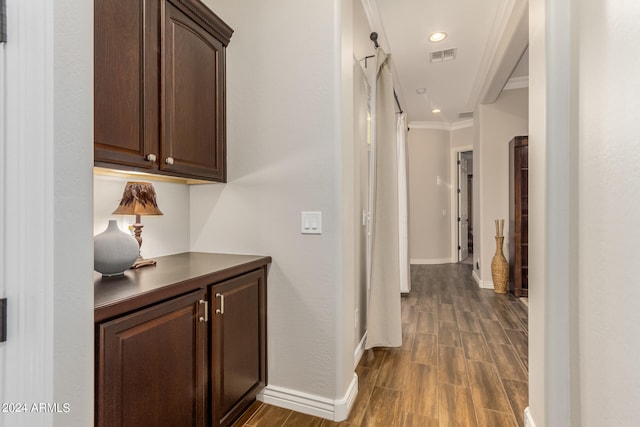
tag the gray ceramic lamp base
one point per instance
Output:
(114, 251)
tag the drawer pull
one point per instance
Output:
(151, 157)
(205, 318)
(169, 160)
(221, 309)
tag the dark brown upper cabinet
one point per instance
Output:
(159, 88)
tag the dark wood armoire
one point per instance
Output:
(519, 215)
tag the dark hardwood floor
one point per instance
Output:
(463, 362)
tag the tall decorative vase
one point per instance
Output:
(499, 268)
(114, 251)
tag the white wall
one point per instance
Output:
(462, 137)
(497, 124)
(429, 193)
(162, 235)
(583, 293)
(46, 92)
(285, 130)
(609, 205)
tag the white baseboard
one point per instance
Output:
(475, 277)
(486, 284)
(528, 419)
(482, 284)
(357, 354)
(431, 261)
(334, 410)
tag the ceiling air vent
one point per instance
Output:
(466, 115)
(443, 55)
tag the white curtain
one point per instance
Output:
(384, 326)
(403, 204)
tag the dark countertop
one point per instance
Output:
(172, 276)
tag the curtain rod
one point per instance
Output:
(374, 38)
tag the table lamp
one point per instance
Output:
(139, 198)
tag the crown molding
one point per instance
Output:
(484, 74)
(430, 125)
(441, 125)
(511, 42)
(517, 83)
(462, 124)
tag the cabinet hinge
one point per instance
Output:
(459, 191)
(459, 247)
(458, 161)
(458, 219)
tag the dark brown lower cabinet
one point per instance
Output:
(238, 333)
(153, 367)
(182, 343)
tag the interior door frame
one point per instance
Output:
(453, 198)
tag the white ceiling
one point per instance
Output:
(486, 55)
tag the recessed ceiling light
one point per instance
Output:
(435, 110)
(437, 37)
(421, 91)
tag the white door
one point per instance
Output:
(463, 209)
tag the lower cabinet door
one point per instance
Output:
(152, 366)
(238, 357)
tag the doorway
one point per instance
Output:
(462, 233)
(465, 207)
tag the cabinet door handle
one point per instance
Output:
(151, 157)
(169, 160)
(205, 318)
(221, 309)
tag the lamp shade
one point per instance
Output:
(138, 198)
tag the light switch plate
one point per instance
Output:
(311, 222)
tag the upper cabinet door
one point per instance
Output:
(193, 84)
(126, 86)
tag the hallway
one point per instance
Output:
(463, 361)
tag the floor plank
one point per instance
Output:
(448, 334)
(520, 341)
(475, 347)
(446, 312)
(269, 416)
(384, 408)
(414, 420)
(507, 361)
(418, 397)
(468, 321)
(493, 331)
(518, 393)
(425, 349)
(489, 418)
(486, 387)
(426, 323)
(456, 407)
(296, 419)
(508, 319)
(395, 370)
(452, 368)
